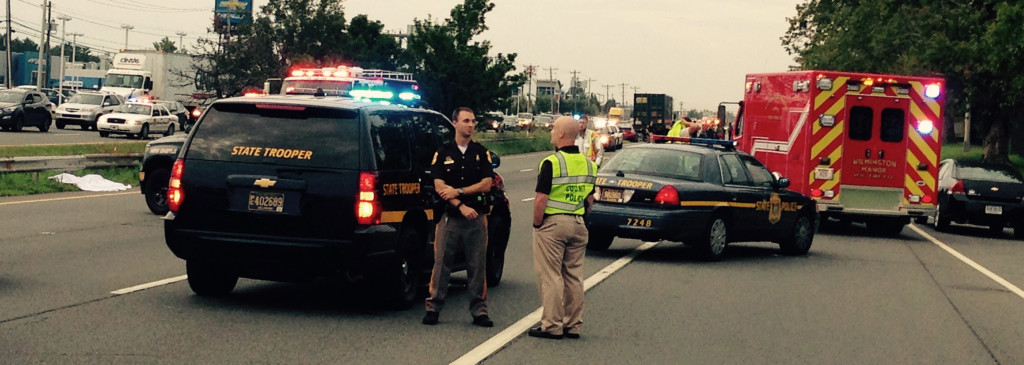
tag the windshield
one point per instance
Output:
(995, 173)
(94, 99)
(117, 80)
(308, 87)
(11, 97)
(656, 161)
(135, 109)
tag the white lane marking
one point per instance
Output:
(67, 198)
(503, 338)
(149, 285)
(525, 170)
(529, 199)
(1008, 285)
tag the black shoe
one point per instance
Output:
(572, 335)
(537, 332)
(483, 321)
(430, 318)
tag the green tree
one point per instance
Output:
(455, 70)
(165, 45)
(975, 45)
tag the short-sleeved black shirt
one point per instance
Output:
(544, 177)
(460, 170)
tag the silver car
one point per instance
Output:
(85, 108)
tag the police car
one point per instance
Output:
(287, 187)
(703, 193)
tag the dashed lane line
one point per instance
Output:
(510, 333)
(66, 198)
(149, 285)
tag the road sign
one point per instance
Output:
(72, 83)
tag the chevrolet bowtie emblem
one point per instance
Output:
(264, 183)
(995, 188)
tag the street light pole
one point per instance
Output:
(126, 27)
(74, 45)
(181, 40)
(63, 34)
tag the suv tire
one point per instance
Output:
(402, 280)
(156, 191)
(208, 280)
(497, 241)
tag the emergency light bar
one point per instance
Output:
(729, 144)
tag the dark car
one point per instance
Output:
(341, 188)
(704, 195)
(982, 194)
(178, 110)
(21, 108)
(627, 132)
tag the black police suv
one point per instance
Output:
(291, 187)
(703, 194)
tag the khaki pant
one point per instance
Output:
(470, 236)
(558, 249)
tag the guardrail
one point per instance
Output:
(68, 163)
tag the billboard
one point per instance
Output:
(234, 11)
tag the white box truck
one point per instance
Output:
(161, 75)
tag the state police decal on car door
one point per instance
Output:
(774, 208)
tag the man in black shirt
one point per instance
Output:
(462, 174)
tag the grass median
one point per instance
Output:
(26, 183)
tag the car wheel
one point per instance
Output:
(499, 226)
(208, 280)
(60, 125)
(104, 134)
(401, 280)
(170, 131)
(800, 241)
(715, 239)
(144, 133)
(17, 123)
(85, 126)
(1018, 231)
(45, 127)
(156, 191)
(941, 220)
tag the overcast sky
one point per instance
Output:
(697, 51)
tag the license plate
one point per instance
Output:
(993, 209)
(261, 201)
(823, 173)
(611, 195)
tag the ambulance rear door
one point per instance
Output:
(874, 152)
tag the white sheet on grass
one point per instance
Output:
(91, 182)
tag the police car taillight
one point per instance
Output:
(367, 207)
(957, 188)
(668, 195)
(175, 195)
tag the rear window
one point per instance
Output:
(655, 161)
(310, 137)
(996, 173)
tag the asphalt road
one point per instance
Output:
(855, 298)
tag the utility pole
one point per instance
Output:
(42, 40)
(529, 81)
(575, 97)
(63, 33)
(181, 40)
(7, 41)
(126, 27)
(607, 98)
(556, 93)
(587, 94)
(74, 45)
(623, 85)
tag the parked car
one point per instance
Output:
(510, 123)
(525, 121)
(545, 121)
(85, 108)
(628, 134)
(20, 107)
(178, 110)
(137, 120)
(981, 194)
(59, 96)
(704, 195)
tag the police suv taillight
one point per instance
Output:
(668, 195)
(175, 194)
(957, 188)
(367, 207)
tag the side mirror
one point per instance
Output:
(495, 160)
(783, 183)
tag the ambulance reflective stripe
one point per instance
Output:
(565, 194)
(828, 141)
(922, 149)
